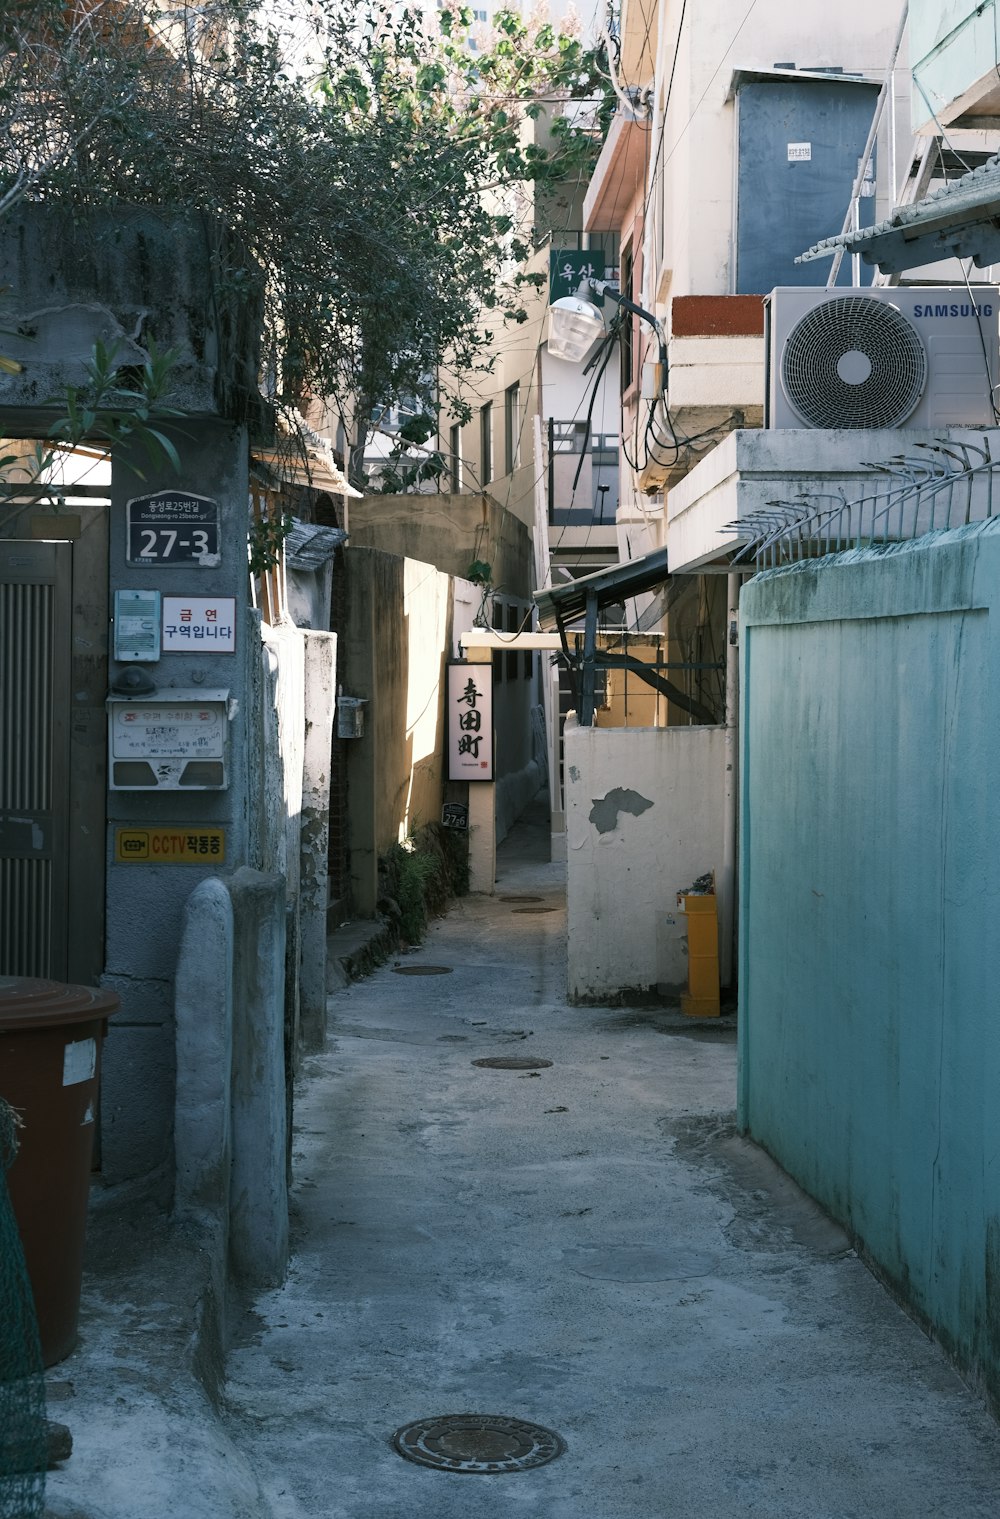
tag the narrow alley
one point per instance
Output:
(583, 1244)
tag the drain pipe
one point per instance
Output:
(730, 809)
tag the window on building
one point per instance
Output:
(627, 353)
(486, 443)
(512, 427)
(455, 457)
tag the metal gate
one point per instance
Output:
(35, 717)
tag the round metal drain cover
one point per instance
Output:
(421, 970)
(512, 1063)
(534, 909)
(488, 1444)
(519, 899)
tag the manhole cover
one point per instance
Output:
(519, 899)
(421, 970)
(534, 909)
(511, 1063)
(478, 1443)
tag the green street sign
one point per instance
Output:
(568, 266)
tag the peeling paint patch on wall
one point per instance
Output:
(606, 809)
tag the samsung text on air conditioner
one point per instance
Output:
(955, 308)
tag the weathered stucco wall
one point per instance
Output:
(122, 280)
(447, 531)
(394, 648)
(870, 870)
(427, 606)
(127, 280)
(145, 900)
(644, 819)
(320, 694)
(400, 630)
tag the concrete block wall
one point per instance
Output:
(869, 888)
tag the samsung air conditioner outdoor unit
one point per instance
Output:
(882, 357)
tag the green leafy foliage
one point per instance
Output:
(366, 162)
(121, 404)
(417, 878)
(125, 406)
(266, 537)
(401, 472)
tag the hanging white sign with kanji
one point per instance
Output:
(469, 721)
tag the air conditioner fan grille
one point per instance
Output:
(853, 361)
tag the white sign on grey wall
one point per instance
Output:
(200, 624)
(800, 152)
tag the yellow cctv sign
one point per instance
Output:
(178, 845)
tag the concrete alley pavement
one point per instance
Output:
(586, 1246)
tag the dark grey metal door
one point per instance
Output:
(798, 146)
(35, 669)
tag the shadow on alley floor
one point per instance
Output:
(586, 1245)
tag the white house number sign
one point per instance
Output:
(470, 721)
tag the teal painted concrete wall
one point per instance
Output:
(953, 44)
(870, 910)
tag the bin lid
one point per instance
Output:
(27, 1002)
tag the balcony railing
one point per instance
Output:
(582, 476)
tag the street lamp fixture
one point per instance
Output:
(577, 324)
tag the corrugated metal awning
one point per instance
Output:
(961, 220)
(308, 546)
(565, 603)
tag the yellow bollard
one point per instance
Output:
(701, 1000)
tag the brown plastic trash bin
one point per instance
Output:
(50, 1061)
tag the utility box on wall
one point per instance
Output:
(351, 716)
(170, 740)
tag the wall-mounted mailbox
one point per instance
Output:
(169, 740)
(351, 716)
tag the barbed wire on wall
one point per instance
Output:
(944, 484)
